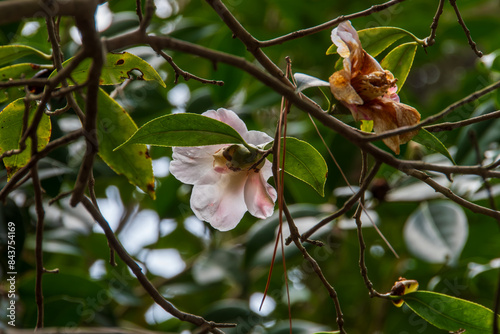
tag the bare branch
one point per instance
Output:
(472, 97)
(327, 25)
(186, 75)
(295, 235)
(91, 43)
(451, 195)
(435, 21)
(466, 30)
(448, 126)
(143, 280)
(15, 179)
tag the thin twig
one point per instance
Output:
(138, 9)
(186, 75)
(295, 235)
(466, 30)
(448, 126)
(451, 195)
(347, 205)
(248, 40)
(431, 119)
(357, 217)
(148, 15)
(435, 21)
(327, 25)
(40, 214)
(91, 42)
(54, 144)
(143, 280)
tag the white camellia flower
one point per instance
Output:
(226, 182)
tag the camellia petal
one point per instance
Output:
(259, 195)
(257, 138)
(229, 117)
(221, 204)
(228, 179)
(193, 165)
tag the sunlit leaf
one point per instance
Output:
(9, 53)
(117, 68)
(366, 125)
(114, 126)
(450, 313)
(305, 81)
(375, 40)
(11, 126)
(437, 231)
(399, 61)
(184, 130)
(305, 163)
(430, 141)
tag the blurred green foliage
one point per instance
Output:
(215, 274)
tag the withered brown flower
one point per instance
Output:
(368, 90)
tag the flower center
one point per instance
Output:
(236, 158)
(373, 85)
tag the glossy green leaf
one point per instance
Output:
(437, 231)
(114, 126)
(375, 40)
(184, 130)
(399, 61)
(305, 163)
(26, 70)
(430, 141)
(11, 126)
(9, 53)
(450, 313)
(116, 69)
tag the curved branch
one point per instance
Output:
(327, 25)
(143, 280)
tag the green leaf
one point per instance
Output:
(17, 71)
(430, 141)
(114, 125)
(399, 61)
(437, 231)
(375, 40)
(366, 125)
(305, 163)
(11, 126)
(9, 53)
(450, 313)
(185, 130)
(116, 69)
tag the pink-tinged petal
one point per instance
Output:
(257, 138)
(259, 196)
(194, 165)
(229, 117)
(221, 204)
(342, 48)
